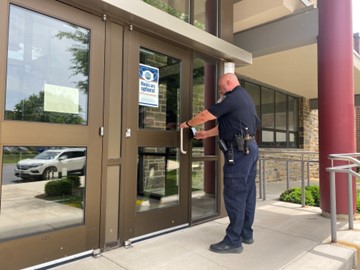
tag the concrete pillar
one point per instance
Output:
(336, 95)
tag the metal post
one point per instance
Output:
(260, 178)
(333, 206)
(302, 181)
(287, 174)
(308, 172)
(350, 202)
(264, 180)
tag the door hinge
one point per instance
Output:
(101, 131)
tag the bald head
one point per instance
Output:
(227, 82)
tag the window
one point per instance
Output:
(279, 115)
(47, 183)
(204, 158)
(47, 69)
(163, 115)
(200, 13)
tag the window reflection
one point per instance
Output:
(47, 69)
(203, 173)
(204, 88)
(280, 111)
(202, 14)
(165, 115)
(205, 15)
(158, 178)
(203, 189)
(178, 9)
(42, 189)
(267, 108)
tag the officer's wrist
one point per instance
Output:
(187, 123)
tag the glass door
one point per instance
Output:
(50, 143)
(159, 100)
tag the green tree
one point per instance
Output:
(32, 109)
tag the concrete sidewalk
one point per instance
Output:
(287, 236)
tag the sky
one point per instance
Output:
(356, 15)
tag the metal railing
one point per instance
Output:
(305, 158)
(352, 162)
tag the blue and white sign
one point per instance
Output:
(148, 86)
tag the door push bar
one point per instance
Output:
(182, 142)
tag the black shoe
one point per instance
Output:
(248, 241)
(222, 247)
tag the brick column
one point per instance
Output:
(336, 95)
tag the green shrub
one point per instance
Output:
(315, 192)
(74, 179)
(58, 187)
(312, 196)
(294, 195)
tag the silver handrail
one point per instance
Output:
(287, 157)
(348, 169)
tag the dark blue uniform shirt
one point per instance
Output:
(235, 111)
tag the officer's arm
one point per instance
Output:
(198, 119)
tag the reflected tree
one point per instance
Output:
(80, 52)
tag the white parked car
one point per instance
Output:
(52, 163)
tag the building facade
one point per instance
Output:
(92, 93)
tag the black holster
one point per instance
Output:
(241, 143)
(228, 151)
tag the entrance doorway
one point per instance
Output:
(165, 181)
(50, 142)
(155, 159)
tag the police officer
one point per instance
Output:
(237, 123)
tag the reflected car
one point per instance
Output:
(52, 163)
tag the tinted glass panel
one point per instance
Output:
(267, 108)
(293, 140)
(158, 178)
(176, 8)
(47, 69)
(205, 14)
(203, 173)
(281, 139)
(254, 92)
(280, 115)
(203, 189)
(159, 109)
(267, 138)
(43, 189)
(293, 114)
(204, 85)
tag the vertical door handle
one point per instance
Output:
(182, 141)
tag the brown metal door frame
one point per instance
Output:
(165, 218)
(63, 242)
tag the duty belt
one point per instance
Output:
(235, 141)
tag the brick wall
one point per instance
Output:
(357, 126)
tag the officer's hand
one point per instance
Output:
(202, 134)
(183, 125)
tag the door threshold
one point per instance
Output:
(63, 260)
(154, 234)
